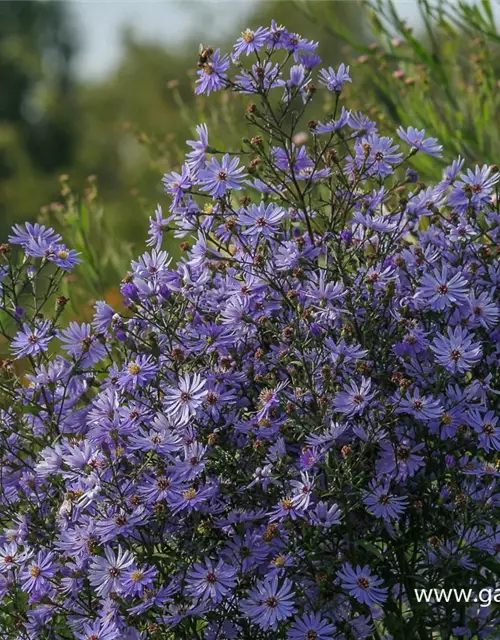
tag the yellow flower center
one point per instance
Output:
(134, 369)
(248, 35)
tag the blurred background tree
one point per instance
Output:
(38, 105)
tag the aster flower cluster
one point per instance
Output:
(289, 431)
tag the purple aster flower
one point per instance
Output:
(33, 233)
(302, 490)
(57, 253)
(299, 80)
(474, 189)
(310, 60)
(36, 577)
(382, 503)
(138, 581)
(32, 340)
(212, 76)
(269, 400)
(362, 585)
(450, 420)
(263, 477)
(157, 227)
(78, 541)
(425, 202)
(235, 315)
(151, 264)
(193, 463)
(103, 317)
(209, 581)
(325, 516)
(484, 310)
(64, 258)
(294, 159)
(324, 292)
(361, 123)
(182, 401)
(80, 342)
(178, 184)
(487, 427)
(451, 173)
(159, 487)
(190, 499)
(138, 372)
(11, 556)
(456, 351)
(491, 541)
(400, 460)
(335, 80)
(130, 292)
(411, 175)
(160, 438)
(333, 125)
(153, 598)
(118, 522)
(416, 139)
(251, 41)
(311, 626)
(176, 613)
(277, 36)
(97, 630)
(354, 398)
(289, 254)
(362, 627)
(246, 552)
(286, 509)
(422, 407)
(440, 291)
(259, 78)
(328, 437)
(376, 154)
(109, 573)
(218, 177)
(269, 603)
(196, 159)
(261, 219)
(461, 230)
(297, 44)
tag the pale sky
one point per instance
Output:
(168, 22)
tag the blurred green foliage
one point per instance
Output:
(38, 106)
(443, 77)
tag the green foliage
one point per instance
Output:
(38, 112)
(443, 77)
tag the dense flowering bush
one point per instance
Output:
(290, 431)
